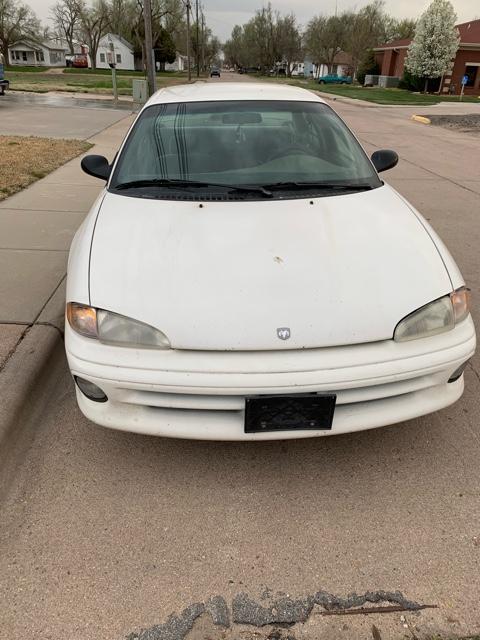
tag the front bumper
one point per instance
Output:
(201, 395)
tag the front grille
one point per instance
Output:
(231, 402)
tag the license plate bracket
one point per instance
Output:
(295, 412)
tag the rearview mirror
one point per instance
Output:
(96, 166)
(384, 159)
(242, 118)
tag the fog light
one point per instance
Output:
(458, 372)
(90, 390)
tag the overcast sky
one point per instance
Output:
(222, 15)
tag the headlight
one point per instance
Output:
(112, 328)
(436, 317)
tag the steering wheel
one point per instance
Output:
(287, 151)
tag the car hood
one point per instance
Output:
(228, 275)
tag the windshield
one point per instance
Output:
(233, 143)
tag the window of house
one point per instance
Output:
(119, 58)
(24, 56)
(15, 55)
(39, 56)
(471, 73)
(102, 57)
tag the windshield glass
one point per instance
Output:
(242, 143)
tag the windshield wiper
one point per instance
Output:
(177, 183)
(341, 186)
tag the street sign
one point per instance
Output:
(464, 82)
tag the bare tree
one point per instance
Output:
(365, 29)
(234, 49)
(66, 15)
(93, 24)
(325, 37)
(289, 41)
(17, 20)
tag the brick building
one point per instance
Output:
(391, 59)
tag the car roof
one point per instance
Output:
(206, 91)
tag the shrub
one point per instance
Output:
(369, 66)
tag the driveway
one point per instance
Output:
(107, 533)
(54, 116)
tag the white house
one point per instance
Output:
(180, 63)
(122, 52)
(49, 53)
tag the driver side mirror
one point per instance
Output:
(96, 166)
(384, 159)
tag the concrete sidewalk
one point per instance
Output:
(36, 229)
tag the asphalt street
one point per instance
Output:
(104, 533)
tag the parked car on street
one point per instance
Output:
(246, 274)
(333, 78)
(215, 72)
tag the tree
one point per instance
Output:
(259, 35)
(233, 49)
(288, 41)
(365, 29)
(368, 66)
(325, 37)
(165, 50)
(212, 51)
(125, 18)
(17, 20)
(435, 43)
(401, 29)
(93, 24)
(66, 15)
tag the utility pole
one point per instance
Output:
(197, 52)
(149, 54)
(188, 42)
(112, 63)
(203, 41)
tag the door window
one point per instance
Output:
(471, 73)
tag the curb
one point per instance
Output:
(24, 385)
(422, 119)
(357, 102)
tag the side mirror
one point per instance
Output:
(96, 166)
(384, 159)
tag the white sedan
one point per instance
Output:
(246, 275)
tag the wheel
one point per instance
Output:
(321, 82)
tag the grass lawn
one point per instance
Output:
(375, 94)
(26, 159)
(83, 81)
(123, 72)
(20, 69)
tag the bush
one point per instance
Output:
(416, 83)
(411, 82)
(369, 66)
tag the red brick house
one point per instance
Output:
(391, 59)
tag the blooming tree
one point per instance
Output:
(435, 42)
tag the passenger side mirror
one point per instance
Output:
(384, 159)
(96, 166)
